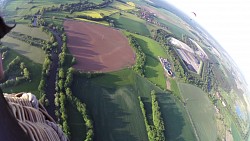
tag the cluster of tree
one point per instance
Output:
(62, 55)
(63, 84)
(45, 74)
(60, 96)
(77, 6)
(81, 107)
(60, 103)
(4, 54)
(72, 7)
(163, 36)
(103, 18)
(64, 88)
(4, 50)
(16, 73)
(40, 21)
(180, 68)
(140, 56)
(155, 131)
(28, 39)
(157, 119)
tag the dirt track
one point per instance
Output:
(98, 48)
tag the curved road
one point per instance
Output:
(51, 79)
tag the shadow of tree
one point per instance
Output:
(173, 118)
(108, 115)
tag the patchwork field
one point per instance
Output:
(33, 53)
(131, 23)
(201, 111)
(56, 18)
(98, 48)
(122, 6)
(31, 31)
(95, 22)
(97, 13)
(112, 101)
(153, 68)
(35, 71)
(76, 123)
(23, 7)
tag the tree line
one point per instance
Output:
(28, 39)
(81, 107)
(139, 66)
(205, 82)
(155, 131)
(15, 73)
(64, 93)
(60, 96)
(73, 7)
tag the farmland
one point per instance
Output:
(105, 78)
(76, 122)
(34, 32)
(35, 70)
(175, 23)
(95, 51)
(153, 70)
(32, 52)
(121, 6)
(96, 22)
(56, 18)
(201, 110)
(20, 8)
(131, 23)
(97, 13)
(117, 113)
(92, 14)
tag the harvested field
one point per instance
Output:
(98, 48)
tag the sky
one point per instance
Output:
(228, 21)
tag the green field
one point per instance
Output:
(76, 123)
(131, 23)
(31, 31)
(96, 13)
(121, 6)
(25, 8)
(99, 22)
(92, 14)
(153, 70)
(56, 18)
(35, 71)
(201, 110)
(112, 100)
(33, 53)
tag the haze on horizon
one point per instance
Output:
(227, 21)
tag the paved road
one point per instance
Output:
(50, 89)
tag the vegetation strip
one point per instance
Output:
(155, 131)
(140, 56)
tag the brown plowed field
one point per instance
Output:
(98, 48)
